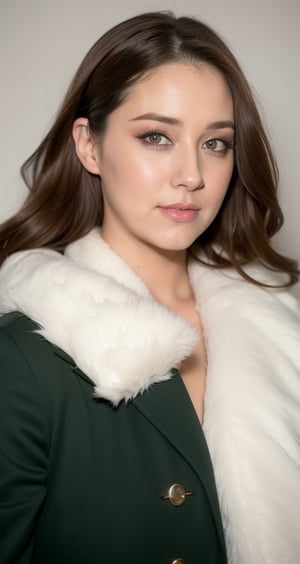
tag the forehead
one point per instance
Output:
(181, 89)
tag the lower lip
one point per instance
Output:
(181, 216)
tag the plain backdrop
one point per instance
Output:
(43, 42)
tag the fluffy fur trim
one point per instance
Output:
(95, 308)
(252, 412)
(120, 337)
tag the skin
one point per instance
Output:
(169, 144)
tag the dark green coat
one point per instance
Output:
(81, 482)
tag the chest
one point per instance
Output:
(110, 470)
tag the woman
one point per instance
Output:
(149, 347)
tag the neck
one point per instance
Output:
(163, 272)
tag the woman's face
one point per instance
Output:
(166, 158)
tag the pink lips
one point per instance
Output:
(180, 212)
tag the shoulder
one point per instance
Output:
(17, 334)
(16, 328)
(225, 286)
(29, 361)
(21, 344)
(15, 319)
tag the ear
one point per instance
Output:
(85, 146)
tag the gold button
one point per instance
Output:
(178, 561)
(176, 496)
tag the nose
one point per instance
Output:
(187, 172)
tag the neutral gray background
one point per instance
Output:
(42, 43)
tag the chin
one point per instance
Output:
(178, 244)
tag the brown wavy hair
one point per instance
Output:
(65, 200)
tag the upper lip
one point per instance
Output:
(181, 206)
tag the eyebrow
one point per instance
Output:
(173, 121)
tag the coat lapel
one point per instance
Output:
(182, 429)
(73, 368)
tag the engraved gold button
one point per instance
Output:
(178, 561)
(176, 495)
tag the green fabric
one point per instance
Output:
(81, 481)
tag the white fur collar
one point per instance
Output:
(100, 313)
(97, 310)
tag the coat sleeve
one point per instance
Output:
(23, 454)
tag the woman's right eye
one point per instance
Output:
(154, 138)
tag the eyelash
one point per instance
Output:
(144, 137)
(228, 145)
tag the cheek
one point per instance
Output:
(219, 183)
(130, 171)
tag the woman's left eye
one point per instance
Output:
(217, 145)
